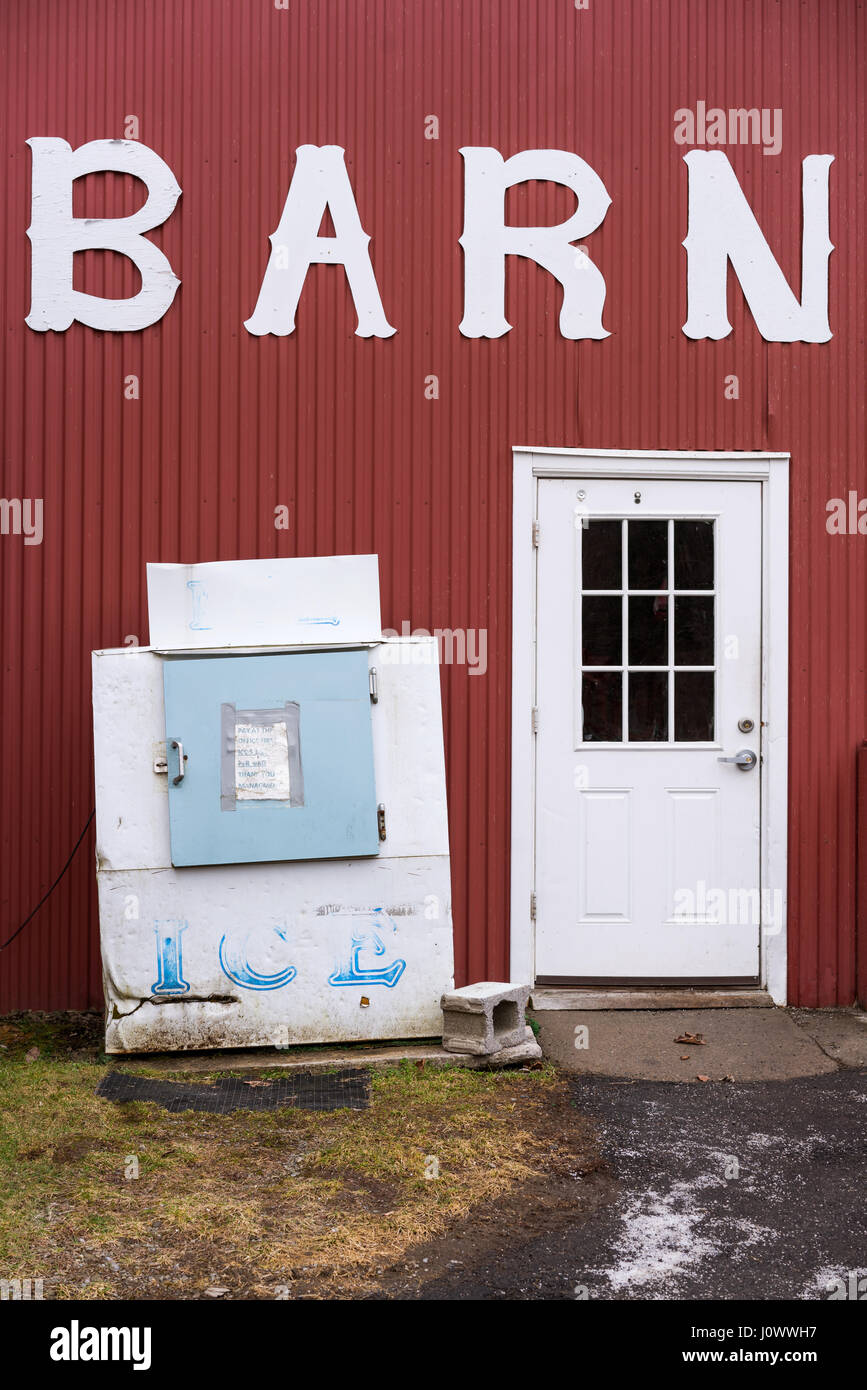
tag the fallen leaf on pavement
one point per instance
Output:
(703, 1078)
(695, 1038)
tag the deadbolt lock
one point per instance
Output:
(746, 726)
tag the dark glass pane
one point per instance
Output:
(693, 631)
(602, 695)
(693, 706)
(647, 545)
(693, 554)
(601, 631)
(601, 555)
(648, 706)
(648, 631)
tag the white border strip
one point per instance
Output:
(772, 470)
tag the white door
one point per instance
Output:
(648, 659)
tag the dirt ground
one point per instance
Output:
(104, 1200)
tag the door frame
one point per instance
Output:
(529, 466)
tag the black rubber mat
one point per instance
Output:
(348, 1089)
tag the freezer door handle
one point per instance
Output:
(182, 772)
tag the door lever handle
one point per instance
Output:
(745, 759)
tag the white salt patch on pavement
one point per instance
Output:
(660, 1239)
(785, 1145)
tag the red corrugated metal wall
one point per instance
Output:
(339, 429)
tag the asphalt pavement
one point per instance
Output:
(724, 1190)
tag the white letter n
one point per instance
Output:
(722, 228)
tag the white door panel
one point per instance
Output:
(648, 655)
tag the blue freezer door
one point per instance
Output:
(277, 757)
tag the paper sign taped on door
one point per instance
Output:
(260, 759)
(262, 762)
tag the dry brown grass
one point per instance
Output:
(308, 1202)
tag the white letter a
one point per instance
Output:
(320, 181)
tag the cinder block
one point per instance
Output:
(484, 1018)
(526, 1051)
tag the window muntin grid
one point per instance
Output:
(647, 631)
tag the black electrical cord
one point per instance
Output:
(47, 895)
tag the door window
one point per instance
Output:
(647, 630)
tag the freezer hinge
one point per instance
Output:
(374, 685)
(532, 907)
(535, 533)
(380, 819)
(534, 718)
